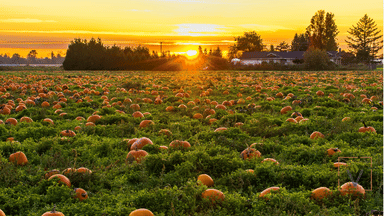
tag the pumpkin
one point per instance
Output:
(163, 147)
(51, 173)
(271, 160)
(220, 106)
(320, 193)
(137, 155)
(249, 153)
(83, 170)
(316, 135)
(53, 213)
(131, 141)
(205, 180)
(213, 195)
(89, 124)
(93, 118)
(140, 143)
(267, 191)
(339, 164)
(19, 158)
(367, 129)
(220, 129)
(2, 213)
(320, 93)
(11, 121)
(146, 123)
(179, 143)
(250, 170)
(68, 133)
(332, 151)
(141, 212)
(61, 178)
(137, 114)
(135, 107)
(197, 116)
(165, 132)
(350, 188)
(81, 194)
(69, 171)
(45, 104)
(284, 110)
(48, 120)
(292, 120)
(346, 119)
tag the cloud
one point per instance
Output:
(135, 10)
(27, 20)
(198, 29)
(264, 27)
(183, 1)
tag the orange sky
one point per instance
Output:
(47, 25)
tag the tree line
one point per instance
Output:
(364, 40)
(30, 59)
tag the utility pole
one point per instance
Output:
(161, 48)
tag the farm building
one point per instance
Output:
(289, 57)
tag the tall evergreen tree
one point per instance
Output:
(365, 39)
(300, 42)
(322, 31)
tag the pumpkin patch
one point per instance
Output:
(156, 143)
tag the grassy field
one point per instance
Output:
(249, 131)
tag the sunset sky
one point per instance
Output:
(181, 25)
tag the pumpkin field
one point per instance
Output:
(191, 143)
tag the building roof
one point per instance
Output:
(280, 55)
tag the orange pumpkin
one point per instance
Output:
(68, 133)
(146, 123)
(320, 193)
(138, 114)
(250, 153)
(339, 164)
(367, 129)
(350, 188)
(140, 143)
(69, 171)
(179, 143)
(213, 195)
(19, 158)
(62, 179)
(220, 129)
(11, 121)
(284, 110)
(267, 191)
(48, 120)
(81, 194)
(332, 151)
(205, 180)
(93, 118)
(2, 213)
(51, 173)
(271, 160)
(53, 213)
(83, 170)
(316, 135)
(141, 212)
(26, 119)
(136, 155)
(45, 104)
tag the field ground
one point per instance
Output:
(225, 117)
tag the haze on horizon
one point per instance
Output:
(181, 24)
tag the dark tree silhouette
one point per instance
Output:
(365, 39)
(300, 42)
(322, 31)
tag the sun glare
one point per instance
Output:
(191, 53)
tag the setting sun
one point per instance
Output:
(191, 53)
